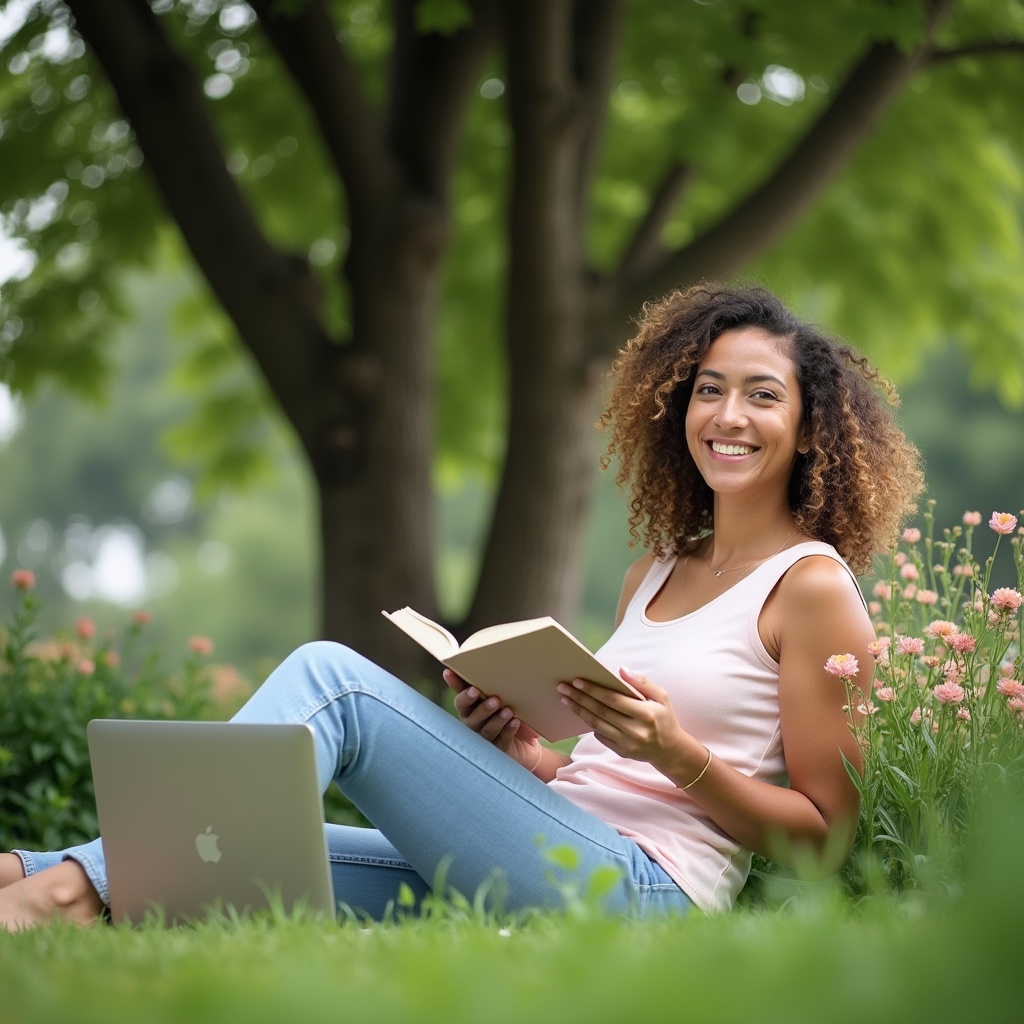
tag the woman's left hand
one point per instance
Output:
(645, 730)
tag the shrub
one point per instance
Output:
(49, 690)
(944, 725)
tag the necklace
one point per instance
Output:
(739, 568)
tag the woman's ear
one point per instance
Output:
(803, 446)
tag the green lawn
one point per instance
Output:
(817, 958)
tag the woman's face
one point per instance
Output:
(744, 420)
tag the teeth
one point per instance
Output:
(731, 449)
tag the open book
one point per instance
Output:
(520, 662)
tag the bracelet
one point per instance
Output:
(702, 771)
(540, 755)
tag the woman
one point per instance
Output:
(763, 467)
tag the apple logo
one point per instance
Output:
(206, 844)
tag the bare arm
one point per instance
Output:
(815, 612)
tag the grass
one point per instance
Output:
(817, 957)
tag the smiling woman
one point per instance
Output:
(763, 464)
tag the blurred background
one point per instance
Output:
(146, 464)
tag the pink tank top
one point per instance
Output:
(723, 686)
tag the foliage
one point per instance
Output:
(944, 722)
(49, 690)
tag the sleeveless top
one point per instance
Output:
(724, 687)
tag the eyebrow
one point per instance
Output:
(755, 378)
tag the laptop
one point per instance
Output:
(206, 816)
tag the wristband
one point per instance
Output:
(540, 755)
(702, 771)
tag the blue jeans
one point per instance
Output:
(436, 792)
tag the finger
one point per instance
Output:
(454, 681)
(467, 700)
(498, 722)
(600, 699)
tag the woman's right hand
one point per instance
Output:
(496, 723)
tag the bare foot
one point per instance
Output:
(11, 869)
(60, 893)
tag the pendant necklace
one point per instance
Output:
(739, 568)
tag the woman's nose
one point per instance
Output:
(730, 412)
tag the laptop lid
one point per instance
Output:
(208, 815)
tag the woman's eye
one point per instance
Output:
(766, 396)
(707, 389)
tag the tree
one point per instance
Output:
(640, 160)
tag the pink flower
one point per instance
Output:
(874, 608)
(963, 570)
(885, 694)
(85, 666)
(111, 659)
(1016, 704)
(949, 693)
(909, 571)
(917, 714)
(911, 534)
(1006, 599)
(882, 590)
(844, 665)
(963, 715)
(1010, 688)
(877, 648)
(910, 591)
(23, 579)
(972, 519)
(1003, 522)
(867, 709)
(201, 645)
(963, 643)
(85, 628)
(927, 597)
(941, 628)
(142, 618)
(909, 645)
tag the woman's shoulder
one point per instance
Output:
(817, 579)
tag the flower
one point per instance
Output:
(963, 570)
(1016, 704)
(85, 666)
(1010, 688)
(1006, 599)
(1003, 522)
(909, 571)
(23, 579)
(948, 693)
(885, 694)
(142, 618)
(972, 519)
(941, 628)
(111, 659)
(911, 534)
(963, 715)
(882, 590)
(85, 628)
(201, 645)
(868, 709)
(963, 643)
(927, 597)
(909, 645)
(843, 665)
(878, 648)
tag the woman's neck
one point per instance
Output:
(747, 532)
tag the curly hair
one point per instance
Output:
(853, 488)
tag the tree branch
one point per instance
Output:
(991, 48)
(266, 293)
(432, 77)
(305, 37)
(595, 27)
(645, 247)
(759, 220)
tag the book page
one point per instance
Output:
(505, 630)
(427, 633)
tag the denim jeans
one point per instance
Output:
(437, 794)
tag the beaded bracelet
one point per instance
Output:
(702, 771)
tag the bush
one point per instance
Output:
(49, 690)
(943, 729)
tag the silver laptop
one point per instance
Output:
(201, 816)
